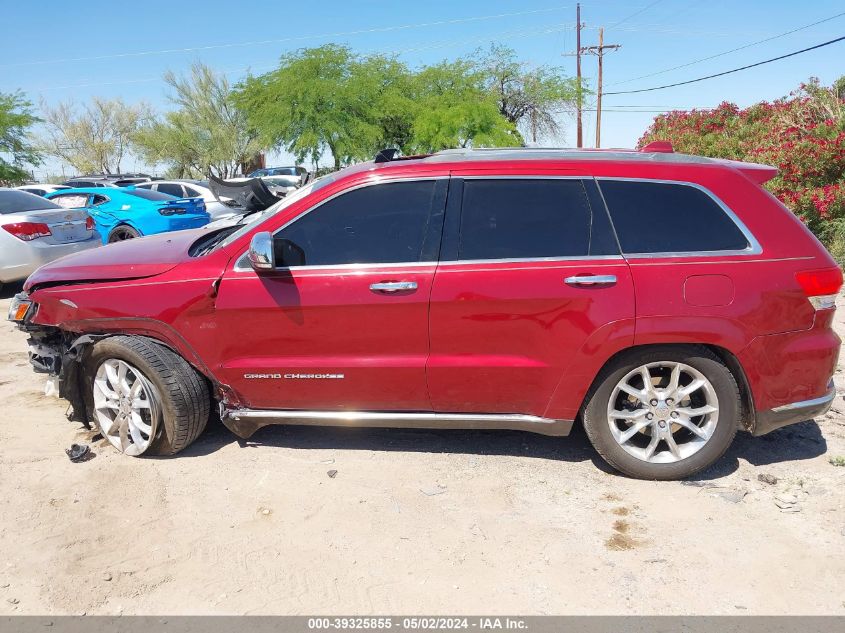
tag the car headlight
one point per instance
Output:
(20, 307)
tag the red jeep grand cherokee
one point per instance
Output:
(663, 300)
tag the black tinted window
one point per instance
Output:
(149, 195)
(13, 201)
(380, 224)
(653, 217)
(171, 189)
(523, 219)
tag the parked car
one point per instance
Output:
(107, 180)
(36, 231)
(217, 209)
(40, 189)
(664, 301)
(294, 176)
(126, 213)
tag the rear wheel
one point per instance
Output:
(123, 232)
(663, 413)
(143, 397)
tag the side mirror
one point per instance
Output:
(261, 254)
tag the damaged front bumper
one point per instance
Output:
(57, 353)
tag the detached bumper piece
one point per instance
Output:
(768, 421)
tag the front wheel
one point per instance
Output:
(143, 397)
(663, 413)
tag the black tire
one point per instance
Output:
(185, 400)
(122, 232)
(594, 413)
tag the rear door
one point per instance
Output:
(348, 329)
(530, 275)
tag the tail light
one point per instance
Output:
(821, 286)
(172, 211)
(28, 231)
(89, 223)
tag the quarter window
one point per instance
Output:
(656, 217)
(527, 219)
(171, 189)
(385, 223)
(71, 200)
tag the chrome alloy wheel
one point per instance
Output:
(663, 412)
(126, 406)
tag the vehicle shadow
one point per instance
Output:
(7, 291)
(574, 448)
(796, 442)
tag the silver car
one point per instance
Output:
(34, 231)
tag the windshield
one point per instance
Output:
(281, 205)
(21, 201)
(150, 195)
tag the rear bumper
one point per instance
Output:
(783, 415)
(18, 259)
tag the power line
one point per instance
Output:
(384, 29)
(501, 35)
(728, 72)
(636, 13)
(733, 50)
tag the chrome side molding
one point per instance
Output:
(245, 422)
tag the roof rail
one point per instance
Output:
(662, 147)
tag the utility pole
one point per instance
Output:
(599, 52)
(578, 67)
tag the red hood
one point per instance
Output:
(133, 259)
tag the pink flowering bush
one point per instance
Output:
(803, 135)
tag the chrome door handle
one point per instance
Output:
(590, 280)
(393, 286)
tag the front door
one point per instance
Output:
(531, 277)
(348, 328)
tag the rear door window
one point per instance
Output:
(669, 218)
(529, 219)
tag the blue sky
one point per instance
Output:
(55, 50)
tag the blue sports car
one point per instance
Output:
(123, 213)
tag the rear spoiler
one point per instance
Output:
(252, 194)
(760, 174)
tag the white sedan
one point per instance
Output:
(217, 209)
(35, 231)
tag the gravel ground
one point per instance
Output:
(412, 522)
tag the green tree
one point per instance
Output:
(95, 139)
(206, 134)
(329, 99)
(317, 100)
(532, 99)
(16, 150)
(453, 108)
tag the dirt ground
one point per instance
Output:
(413, 522)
